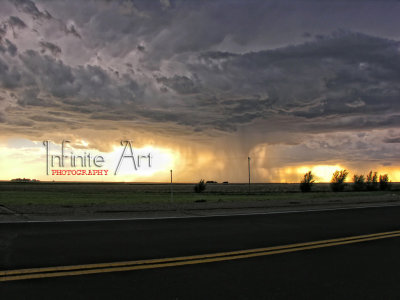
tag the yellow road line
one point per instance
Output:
(161, 260)
(186, 260)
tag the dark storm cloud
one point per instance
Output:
(279, 74)
(16, 22)
(54, 49)
(53, 75)
(30, 8)
(10, 77)
(78, 86)
(339, 75)
(309, 81)
(282, 71)
(9, 47)
(180, 84)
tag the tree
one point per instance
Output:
(200, 187)
(384, 183)
(359, 182)
(338, 179)
(372, 181)
(307, 182)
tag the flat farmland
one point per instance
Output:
(138, 193)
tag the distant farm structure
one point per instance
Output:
(24, 180)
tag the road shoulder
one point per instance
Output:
(22, 213)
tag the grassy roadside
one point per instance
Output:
(91, 197)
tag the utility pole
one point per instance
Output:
(248, 160)
(172, 194)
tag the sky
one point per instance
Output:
(202, 86)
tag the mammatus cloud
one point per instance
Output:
(185, 71)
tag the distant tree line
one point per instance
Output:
(360, 182)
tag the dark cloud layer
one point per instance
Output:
(301, 70)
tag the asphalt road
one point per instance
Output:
(362, 270)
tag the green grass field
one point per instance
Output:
(119, 193)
